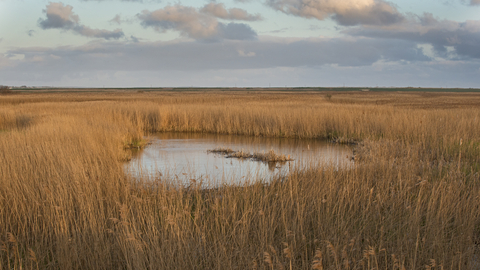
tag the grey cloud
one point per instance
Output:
(236, 31)
(355, 61)
(30, 33)
(219, 11)
(98, 33)
(346, 12)
(60, 16)
(222, 55)
(134, 39)
(117, 19)
(468, 2)
(139, 1)
(194, 24)
(463, 37)
(425, 74)
(282, 30)
(4, 62)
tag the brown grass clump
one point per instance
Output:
(136, 143)
(239, 154)
(271, 157)
(410, 202)
(221, 150)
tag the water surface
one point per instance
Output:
(185, 158)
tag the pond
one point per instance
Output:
(185, 158)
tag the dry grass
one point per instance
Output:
(410, 202)
(271, 156)
(240, 154)
(222, 150)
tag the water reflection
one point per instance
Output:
(185, 158)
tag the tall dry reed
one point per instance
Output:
(410, 202)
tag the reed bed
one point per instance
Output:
(412, 200)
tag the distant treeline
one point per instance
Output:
(5, 89)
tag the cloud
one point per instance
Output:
(117, 19)
(269, 53)
(139, 1)
(219, 11)
(30, 33)
(236, 31)
(120, 19)
(135, 39)
(246, 54)
(281, 61)
(194, 24)
(345, 12)
(98, 33)
(470, 2)
(282, 30)
(4, 62)
(60, 16)
(474, 2)
(462, 37)
(183, 19)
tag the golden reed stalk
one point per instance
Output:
(410, 202)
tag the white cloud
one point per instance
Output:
(345, 12)
(194, 24)
(181, 18)
(59, 16)
(219, 11)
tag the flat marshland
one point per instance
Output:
(411, 200)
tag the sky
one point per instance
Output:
(240, 43)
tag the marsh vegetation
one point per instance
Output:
(412, 200)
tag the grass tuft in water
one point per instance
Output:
(136, 143)
(271, 156)
(221, 150)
